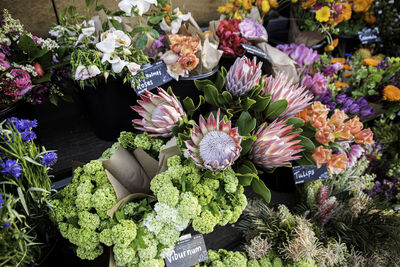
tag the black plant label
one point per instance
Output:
(304, 174)
(369, 35)
(188, 252)
(155, 75)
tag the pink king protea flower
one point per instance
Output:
(274, 147)
(243, 76)
(214, 145)
(280, 87)
(161, 113)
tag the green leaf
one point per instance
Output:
(89, 3)
(188, 104)
(22, 199)
(117, 25)
(261, 103)
(201, 84)
(220, 80)
(211, 95)
(32, 161)
(244, 179)
(62, 13)
(72, 11)
(138, 30)
(296, 122)
(260, 188)
(154, 34)
(141, 41)
(27, 45)
(247, 103)
(246, 123)
(246, 146)
(277, 108)
(306, 159)
(53, 99)
(306, 143)
(155, 20)
(308, 131)
(45, 78)
(119, 215)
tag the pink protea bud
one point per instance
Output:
(323, 194)
(214, 145)
(161, 113)
(274, 146)
(280, 87)
(243, 76)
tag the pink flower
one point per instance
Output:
(307, 82)
(354, 154)
(251, 29)
(22, 80)
(3, 62)
(319, 84)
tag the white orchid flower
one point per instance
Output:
(140, 6)
(133, 67)
(176, 23)
(107, 47)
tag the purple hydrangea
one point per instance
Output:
(11, 168)
(251, 29)
(49, 159)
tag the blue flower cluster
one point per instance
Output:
(1, 201)
(24, 127)
(11, 168)
(49, 159)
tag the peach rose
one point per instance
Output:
(176, 48)
(319, 109)
(189, 62)
(354, 124)
(186, 50)
(195, 43)
(338, 117)
(343, 132)
(321, 155)
(365, 137)
(337, 163)
(324, 135)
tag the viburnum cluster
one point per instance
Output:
(338, 132)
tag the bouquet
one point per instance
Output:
(25, 193)
(29, 65)
(243, 9)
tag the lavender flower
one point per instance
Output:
(367, 111)
(319, 84)
(21, 124)
(251, 29)
(49, 159)
(11, 168)
(331, 69)
(326, 98)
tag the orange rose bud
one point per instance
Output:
(189, 62)
(338, 117)
(324, 135)
(365, 137)
(337, 163)
(38, 68)
(321, 155)
(355, 125)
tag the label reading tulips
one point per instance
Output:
(304, 174)
(156, 75)
(188, 252)
(255, 51)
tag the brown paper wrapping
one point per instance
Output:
(309, 38)
(171, 149)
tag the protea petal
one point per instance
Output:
(243, 76)
(280, 87)
(274, 147)
(160, 113)
(214, 145)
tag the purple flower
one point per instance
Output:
(157, 44)
(354, 154)
(11, 168)
(22, 125)
(22, 80)
(300, 53)
(354, 108)
(307, 82)
(3, 62)
(362, 102)
(1, 201)
(341, 98)
(331, 105)
(28, 135)
(251, 29)
(285, 48)
(319, 84)
(331, 69)
(6, 224)
(49, 159)
(40, 93)
(6, 50)
(367, 111)
(348, 102)
(326, 98)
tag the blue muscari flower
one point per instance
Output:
(348, 55)
(49, 159)
(1, 202)
(6, 224)
(11, 168)
(28, 135)
(21, 124)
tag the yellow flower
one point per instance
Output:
(391, 93)
(273, 3)
(221, 9)
(323, 14)
(308, 4)
(247, 5)
(294, 1)
(265, 6)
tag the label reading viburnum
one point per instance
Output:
(188, 252)
(304, 174)
(156, 75)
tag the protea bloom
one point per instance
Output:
(274, 147)
(161, 113)
(243, 76)
(214, 145)
(280, 87)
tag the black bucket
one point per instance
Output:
(280, 180)
(8, 111)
